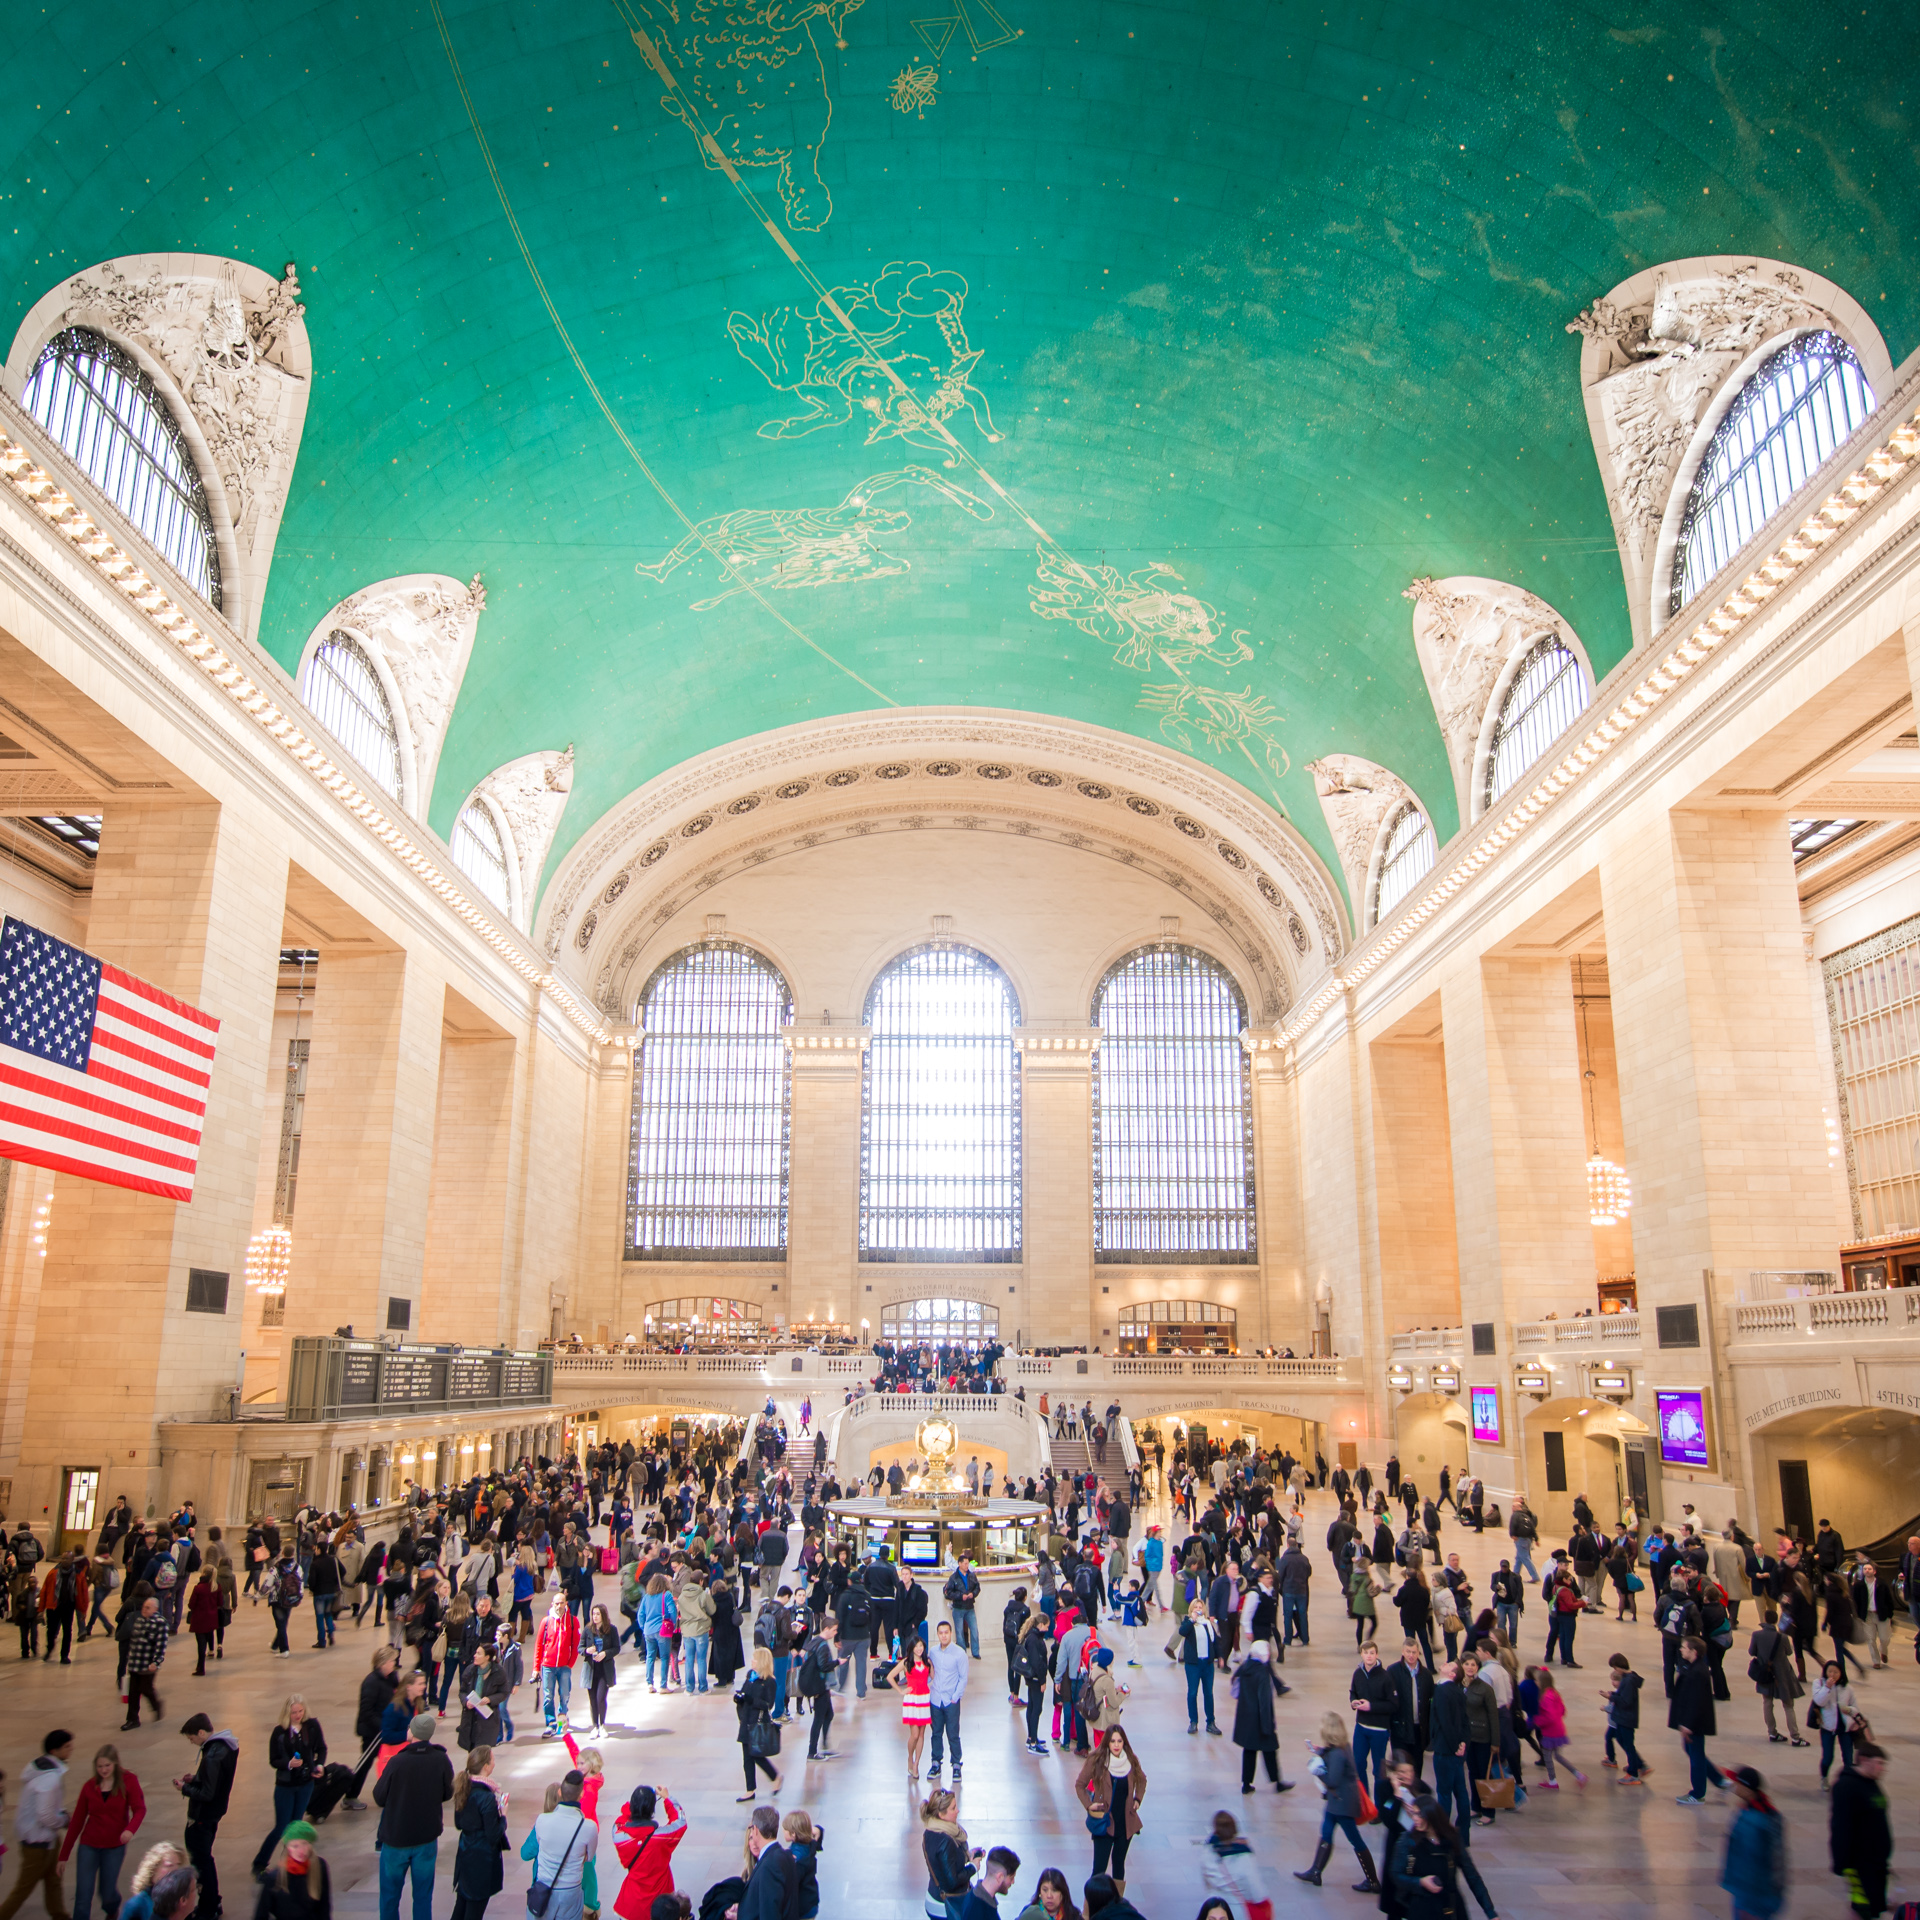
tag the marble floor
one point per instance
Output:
(1635, 1850)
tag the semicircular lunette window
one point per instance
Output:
(339, 685)
(1787, 422)
(103, 408)
(1542, 700)
(940, 1113)
(482, 857)
(1405, 860)
(1172, 1113)
(711, 1103)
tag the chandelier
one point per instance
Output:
(270, 1260)
(1609, 1191)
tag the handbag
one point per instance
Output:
(1495, 1789)
(538, 1896)
(763, 1738)
(1635, 1584)
(1369, 1813)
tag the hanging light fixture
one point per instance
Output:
(1609, 1191)
(270, 1251)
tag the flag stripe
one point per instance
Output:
(161, 1103)
(186, 1053)
(146, 990)
(97, 1069)
(50, 1097)
(104, 1036)
(92, 1169)
(30, 1119)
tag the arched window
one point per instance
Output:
(939, 1323)
(1172, 1112)
(101, 405)
(339, 685)
(708, 1175)
(1406, 859)
(1179, 1326)
(1542, 700)
(1788, 421)
(481, 853)
(940, 1119)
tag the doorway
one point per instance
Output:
(1796, 1499)
(79, 1495)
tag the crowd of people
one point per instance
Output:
(501, 1595)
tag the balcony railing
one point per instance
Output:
(1431, 1340)
(1834, 1316)
(1602, 1330)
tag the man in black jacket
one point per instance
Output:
(1412, 1690)
(1371, 1694)
(1859, 1836)
(883, 1583)
(1449, 1719)
(773, 1889)
(910, 1612)
(208, 1789)
(418, 1782)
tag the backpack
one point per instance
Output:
(814, 1670)
(857, 1613)
(289, 1584)
(63, 1590)
(165, 1573)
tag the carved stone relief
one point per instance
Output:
(1661, 352)
(422, 626)
(531, 793)
(1357, 796)
(1465, 630)
(231, 342)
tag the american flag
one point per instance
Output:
(100, 1074)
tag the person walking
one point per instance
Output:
(411, 1793)
(1838, 1717)
(1690, 1714)
(376, 1691)
(951, 1665)
(42, 1823)
(1622, 1699)
(484, 1691)
(297, 1752)
(480, 1817)
(1550, 1725)
(146, 1650)
(208, 1789)
(1523, 1529)
(813, 1670)
(1111, 1784)
(1412, 1685)
(203, 1616)
(1859, 1835)
(1428, 1862)
(1770, 1668)
(1370, 1695)
(599, 1644)
(1255, 1729)
(950, 1861)
(1197, 1639)
(1344, 1787)
(556, 1648)
(758, 1735)
(106, 1816)
(295, 1884)
(1754, 1872)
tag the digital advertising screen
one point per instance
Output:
(1683, 1428)
(1484, 1406)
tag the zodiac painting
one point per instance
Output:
(1146, 620)
(894, 352)
(916, 88)
(780, 550)
(750, 82)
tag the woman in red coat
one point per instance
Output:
(105, 1818)
(645, 1844)
(203, 1613)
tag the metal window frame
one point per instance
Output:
(1727, 507)
(1532, 719)
(345, 711)
(720, 1122)
(1393, 859)
(293, 1112)
(984, 1206)
(1197, 1217)
(972, 1330)
(487, 867)
(101, 406)
(1873, 1019)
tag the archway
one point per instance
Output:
(1430, 1432)
(1858, 1467)
(1580, 1445)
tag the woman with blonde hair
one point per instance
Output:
(804, 1840)
(1334, 1762)
(759, 1737)
(1111, 1785)
(297, 1753)
(950, 1861)
(295, 1885)
(480, 1818)
(155, 1864)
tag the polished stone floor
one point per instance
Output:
(1635, 1850)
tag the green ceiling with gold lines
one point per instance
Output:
(1119, 362)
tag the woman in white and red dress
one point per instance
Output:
(916, 1705)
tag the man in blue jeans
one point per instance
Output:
(963, 1599)
(417, 1784)
(1449, 1750)
(951, 1665)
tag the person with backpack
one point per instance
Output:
(63, 1598)
(281, 1589)
(819, 1661)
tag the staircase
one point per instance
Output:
(1074, 1458)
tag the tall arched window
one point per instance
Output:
(339, 685)
(1406, 858)
(1788, 421)
(480, 849)
(708, 1174)
(101, 405)
(1544, 698)
(1172, 1113)
(940, 1124)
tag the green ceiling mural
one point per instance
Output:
(1113, 361)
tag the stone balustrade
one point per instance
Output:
(1893, 1315)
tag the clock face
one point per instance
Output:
(938, 1437)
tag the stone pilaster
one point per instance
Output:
(823, 1176)
(1057, 1303)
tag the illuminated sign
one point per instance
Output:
(1445, 1380)
(1533, 1382)
(1484, 1404)
(1682, 1420)
(1613, 1383)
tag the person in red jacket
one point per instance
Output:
(63, 1602)
(555, 1651)
(645, 1842)
(105, 1819)
(203, 1613)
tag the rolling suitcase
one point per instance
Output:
(334, 1785)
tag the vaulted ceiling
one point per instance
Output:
(1112, 362)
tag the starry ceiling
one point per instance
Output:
(1116, 362)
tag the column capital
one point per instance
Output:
(817, 1047)
(1065, 1045)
